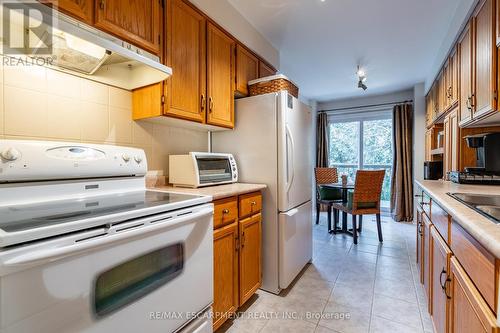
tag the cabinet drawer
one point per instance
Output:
(225, 212)
(441, 221)
(250, 204)
(477, 262)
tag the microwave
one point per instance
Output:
(202, 169)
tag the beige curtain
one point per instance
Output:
(322, 141)
(402, 171)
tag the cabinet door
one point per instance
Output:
(447, 84)
(454, 76)
(440, 254)
(484, 71)
(454, 138)
(250, 257)
(186, 55)
(83, 10)
(428, 145)
(247, 69)
(426, 258)
(465, 74)
(220, 77)
(468, 310)
(225, 273)
(447, 146)
(136, 21)
(265, 70)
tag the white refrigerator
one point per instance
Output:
(272, 144)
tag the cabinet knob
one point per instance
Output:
(101, 4)
(202, 102)
(253, 203)
(225, 211)
(210, 104)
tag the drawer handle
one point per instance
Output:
(225, 211)
(443, 286)
(424, 203)
(253, 203)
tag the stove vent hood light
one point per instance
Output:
(86, 52)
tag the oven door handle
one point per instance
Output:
(57, 253)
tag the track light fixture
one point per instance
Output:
(361, 78)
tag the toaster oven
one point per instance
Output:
(202, 169)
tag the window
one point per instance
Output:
(361, 142)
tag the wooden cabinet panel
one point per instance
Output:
(441, 221)
(146, 102)
(250, 257)
(247, 69)
(265, 70)
(477, 261)
(136, 21)
(225, 273)
(225, 211)
(465, 74)
(452, 142)
(186, 55)
(250, 204)
(440, 254)
(420, 243)
(484, 71)
(83, 10)
(454, 70)
(468, 311)
(497, 5)
(426, 257)
(220, 77)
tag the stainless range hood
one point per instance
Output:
(81, 50)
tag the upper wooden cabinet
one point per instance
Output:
(453, 78)
(485, 59)
(136, 21)
(83, 10)
(220, 77)
(247, 69)
(265, 70)
(451, 142)
(186, 55)
(465, 74)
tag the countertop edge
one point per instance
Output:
(215, 192)
(474, 223)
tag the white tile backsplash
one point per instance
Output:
(42, 104)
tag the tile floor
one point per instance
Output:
(369, 287)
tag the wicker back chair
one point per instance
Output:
(325, 176)
(364, 200)
(367, 189)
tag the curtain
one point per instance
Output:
(322, 141)
(402, 171)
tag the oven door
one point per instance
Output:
(213, 169)
(146, 275)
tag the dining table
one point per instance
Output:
(344, 187)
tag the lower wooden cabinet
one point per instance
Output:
(468, 311)
(426, 258)
(225, 273)
(250, 256)
(440, 267)
(237, 255)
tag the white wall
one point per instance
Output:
(419, 131)
(369, 100)
(222, 12)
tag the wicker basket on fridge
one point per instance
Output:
(271, 84)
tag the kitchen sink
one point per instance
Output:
(487, 205)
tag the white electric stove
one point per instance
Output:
(84, 247)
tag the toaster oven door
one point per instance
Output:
(214, 170)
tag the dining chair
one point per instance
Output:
(327, 196)
(364, 200)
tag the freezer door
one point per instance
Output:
(295, 151)
(295, 242)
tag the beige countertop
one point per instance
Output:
(216, 192)
(481, 228)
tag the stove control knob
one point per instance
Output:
(138, 159)
(10, 154)
(125, 158)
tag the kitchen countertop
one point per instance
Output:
(481, 228)
(216, 192)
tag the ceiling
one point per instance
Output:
(321, 43)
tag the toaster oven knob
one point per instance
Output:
(138, 159)
(125, 158)
(10, 154)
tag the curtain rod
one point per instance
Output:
(366, 106)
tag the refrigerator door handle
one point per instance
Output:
(289, 159)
